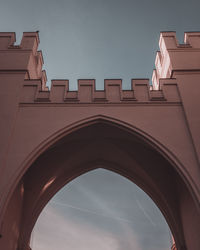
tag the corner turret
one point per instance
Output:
(176, 57)
(22, 58)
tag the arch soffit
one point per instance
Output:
(157, 145)
(48, 142)
(90, 166)
(51, 140)
(161, 203)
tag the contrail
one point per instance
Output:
(90, 211)
(145, 213)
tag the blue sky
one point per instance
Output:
(100, 39)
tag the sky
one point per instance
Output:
(101, 210)
(100, 39)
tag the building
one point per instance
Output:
(49, 137)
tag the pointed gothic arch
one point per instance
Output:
(45, 135)
(99, 141)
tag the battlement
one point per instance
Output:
(171, 58)
(87, 93)
(174, 57)
(24, 57)
(30, 41)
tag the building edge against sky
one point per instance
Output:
(165, 63)
(28, 133)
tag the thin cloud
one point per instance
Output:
(53, 232)
(145, 213)
(91, 211)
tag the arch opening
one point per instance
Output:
(101, 210)
(103, 143)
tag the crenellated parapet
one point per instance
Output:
(22, 58)
(148, 134)
(176, 57)
(87, 93)
(171, 58)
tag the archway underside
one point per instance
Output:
(107, 146)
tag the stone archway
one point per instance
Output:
(107, 144)
(50, 137)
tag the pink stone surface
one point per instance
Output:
(49, 137)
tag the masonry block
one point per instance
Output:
(30, 91)
(30, 41)
(170, 90)
(86, 90)
(59, 89)
(113, 90)
(7, 39)
(193, 39)
(141, 89)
